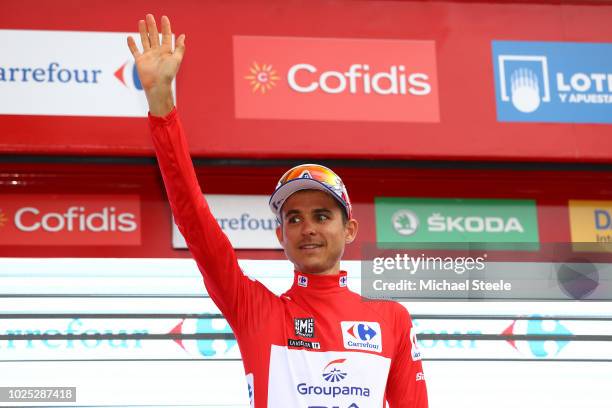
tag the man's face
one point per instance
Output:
(313, 233)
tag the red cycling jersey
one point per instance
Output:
(318, 345)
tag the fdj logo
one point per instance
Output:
(603, 219)
(523, 80)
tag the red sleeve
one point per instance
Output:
(242, 301)
(406, 384)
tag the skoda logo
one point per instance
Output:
(405, 222)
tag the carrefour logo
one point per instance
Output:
(362, 336)
(553, 81)
(127, 74)
(538, 349)
(91, 74)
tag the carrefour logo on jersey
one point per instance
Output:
(47, 219)
(553, 81)
(91, 74)
(362, 336)
(335, 79)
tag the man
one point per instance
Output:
(318, 345)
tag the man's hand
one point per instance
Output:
(158, 64)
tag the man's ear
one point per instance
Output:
(279, 234)
(350, 230)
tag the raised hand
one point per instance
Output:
(157, 64)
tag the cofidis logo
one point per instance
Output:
(553, 81)
(335, 79)
(47, 219)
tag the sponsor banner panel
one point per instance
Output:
(91, 74)
(335, 79)
(591, 224)
(444, 339)
(500, 224)
(102, 339)
(84, 220)
(245, 219)
(561, 82)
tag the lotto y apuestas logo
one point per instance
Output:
(553, 81)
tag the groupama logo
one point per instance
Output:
(333, 371)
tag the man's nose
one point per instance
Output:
(308, 227)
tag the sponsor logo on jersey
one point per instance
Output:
(414, 349)
(251, 389)
(334, 372)
(304, 327)
(302, 281)
(420, 376)
(362, 336)
(314, 345)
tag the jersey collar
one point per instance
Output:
(311, 281)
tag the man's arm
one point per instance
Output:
(406, 383)
(242, 301)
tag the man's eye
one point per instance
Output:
(322, 217)
(294, 219)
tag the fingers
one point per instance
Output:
(166, 32)
(153, 33)
(144, 37)
(179, 50)
(133, 48)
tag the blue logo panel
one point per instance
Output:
(559, 82)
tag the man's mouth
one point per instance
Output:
(310, 246)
